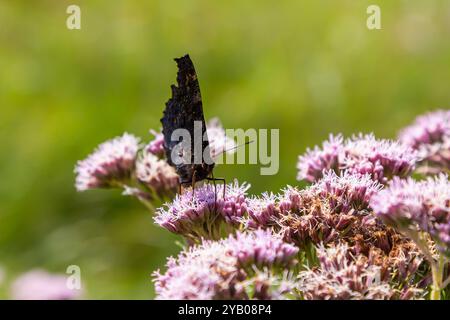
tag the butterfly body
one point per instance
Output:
(182, 111)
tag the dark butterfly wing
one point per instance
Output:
(183, 109)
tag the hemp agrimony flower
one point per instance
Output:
(342, 276)
(430, 136)
(204, 212)
(224, 269)
(111, 164)
(41, 285)
(361, 154)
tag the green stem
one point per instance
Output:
(438, 271)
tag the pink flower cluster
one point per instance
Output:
(204, 211)
(342, 276)
(111, 164)
(410, 204)
(221, 269)
(361, 154)
(363, 228)
(430, 136)
(41, 285)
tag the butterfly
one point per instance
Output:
(184, 110)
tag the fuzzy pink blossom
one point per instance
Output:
(156, 146)
(423, 204)
(201, 214)
(315, 161)
(361, 154)
(261, 248)
(223, 269)
(342, 276)
(430, 136)
(156, 174)
(40, 285)
(348, 191)
(109, 165)
(262, 210)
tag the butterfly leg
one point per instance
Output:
(193, 185)
(218, 179)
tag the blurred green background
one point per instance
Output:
(306, 67)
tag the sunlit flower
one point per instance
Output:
(156, 174)
(430, 136)
(202, 272)
(40, 285)
(361, 154)
(409, 204)
(201, 214)
(224, 269)
(262, 211)
(332, 210)
(347, 191)
(156, 146)
(342, 276)
(261, 248)
(315, 161)
(109, 165)
(383, 159)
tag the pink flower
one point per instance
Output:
(109, 165)
(222, 269)
(156, 174)
(361, 154)
(413, 204)
(156, 146)
(430, 136)
(315, 161)
(40, 285)
(342, 276)
(203, 214)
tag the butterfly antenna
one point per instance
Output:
(235, 147)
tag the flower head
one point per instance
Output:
(342, 276)
(201, 272)
(427, 129)
(40, 285)
(383, 159)
(156, 146)
(221, 269)
(112, 162)
(414, 204)
(361, 154)
(346, 192)
(430, 136)
(156, 174)
(200, 214)
(261, 248)
(262, 211)
(315, 161)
